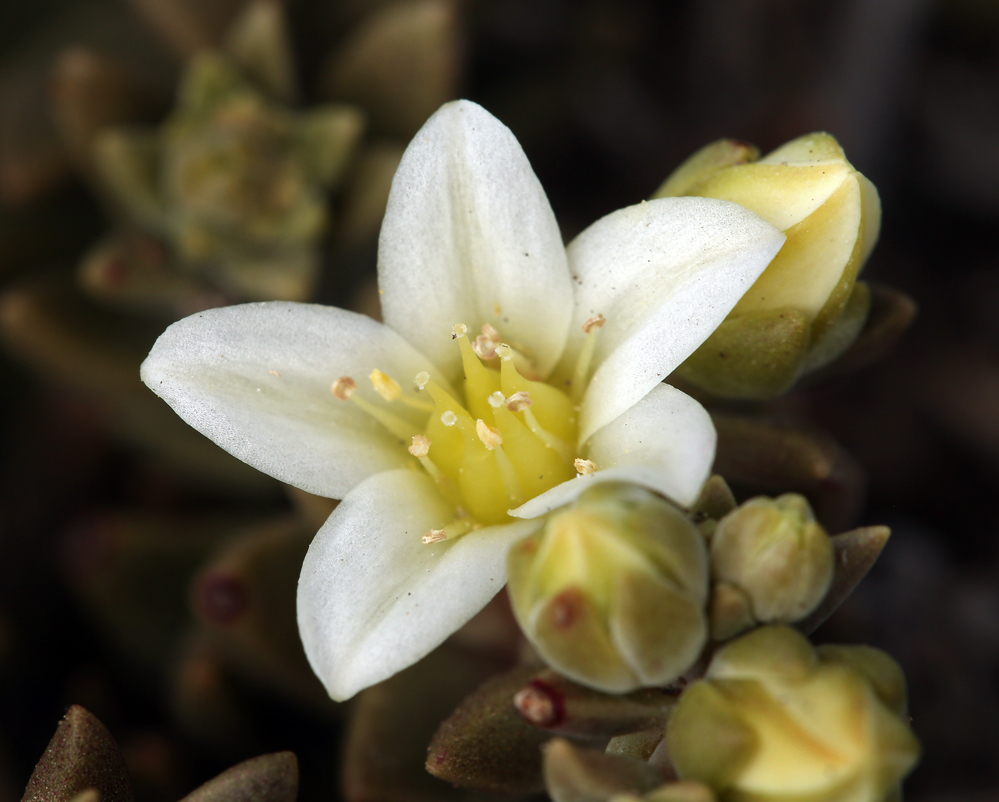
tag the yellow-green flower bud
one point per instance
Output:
(776, 555)
(807, 307)
(774, 720)
(611, 591)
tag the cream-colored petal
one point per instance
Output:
(664, 274)
(257, 380)
(373, 598)
(469, 237)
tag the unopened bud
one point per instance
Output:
(611, 591)
(775, 720)
(774, 553)
(806, 308)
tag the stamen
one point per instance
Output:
(421, 446)
(435, 536)
(519, 402)
(584, 467)
(504, 352)
(448, 418)
(511, 484)
(557, 445)
(456, 528)
(343, 388)
(496, 400)
(490, 332)
(484, 347)
(594, 323)
(420, 449)
(581, 373)
(421, 379)
(489, 435)
(458, 330)
(387, 387)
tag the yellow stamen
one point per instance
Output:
(448, 418)
(560, 447)
(511, 484)
(401, 428)
(387, 387)
(456, 528)
(584, 467)
(343, 389)
(581, 373)
(489, 435)
(420, 449)
(421, 379)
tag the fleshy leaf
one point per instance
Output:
(486, 745)
(268, 778)
(81, 755)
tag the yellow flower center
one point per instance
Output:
(504, 440)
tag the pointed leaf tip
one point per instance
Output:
(854, 553)
(81, 756)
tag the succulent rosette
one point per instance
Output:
(510, 374)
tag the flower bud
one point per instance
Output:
(807, 307)
(775, 720)
(774, 554)
(611, 591)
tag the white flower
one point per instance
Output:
(440, 474)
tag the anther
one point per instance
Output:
(496, 400)
(490, 332)
(387, 387)
(584, 467)
(484, 347)
(458, 330)
(448, 418)
(343, 388)
(504, 352)
(594, 323)
(490, 436)
(434, 536)
(456, 528)
(421, 379)
(519, 401)
(421, 445)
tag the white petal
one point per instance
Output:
(256, 379)
(469, 237)
(666, 442)
(373, 598)
(664, 274)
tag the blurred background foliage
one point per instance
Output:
(132, 554)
